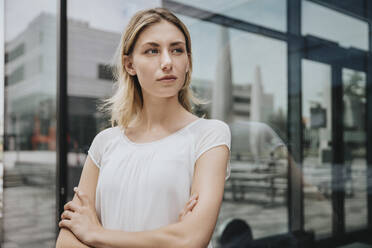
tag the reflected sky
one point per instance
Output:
(267, 13)
(316, 83)
(110, 15)
(29, 11)
(248, 51)
(334, 26)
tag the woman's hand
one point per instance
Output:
(82, 219)
(188, 207)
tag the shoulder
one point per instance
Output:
(107, 134)
(212, 125)
(212, 131)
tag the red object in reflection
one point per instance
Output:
(38, 138)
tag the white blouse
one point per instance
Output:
(144, 186)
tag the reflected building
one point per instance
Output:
(242, 96)
(251, 102)
(30, 86)
(30, 83)
(222, 98)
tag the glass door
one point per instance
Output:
(334, 147)
(354, 99)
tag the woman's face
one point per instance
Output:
(160, 51)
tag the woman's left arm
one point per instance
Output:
(195, 230)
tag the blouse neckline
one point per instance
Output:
(158, 140)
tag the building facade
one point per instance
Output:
(291, 78)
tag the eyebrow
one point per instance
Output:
(171, 44)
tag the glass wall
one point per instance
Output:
(256, 104)
(243, 75)
(334, 26)
(317, 146)
(241, 52)
(89, 75)
(264, 13)
(30, 124)
(354, 98)
(336, 200)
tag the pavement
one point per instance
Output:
(29, 217)
(29, 213)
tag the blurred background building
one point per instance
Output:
(290, 77)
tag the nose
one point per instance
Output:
(166, 61)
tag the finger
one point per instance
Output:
(65, 223)
(82, 196)
(186, 211)
(194, 196)
(188, 208)
(72, 206)
(187, 214)
(191, 206)
(67, 215)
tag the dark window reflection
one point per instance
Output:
(105, 72)
(16, 76)
(15, 53)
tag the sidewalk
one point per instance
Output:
(29, 217)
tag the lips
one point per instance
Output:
(167, 78)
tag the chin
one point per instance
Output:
(169, 95)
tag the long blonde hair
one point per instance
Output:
(126, 103)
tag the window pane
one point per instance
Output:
(92, 42)
(250, 72)
(30, 124)
(317, 146)
(354, 85)
(334, 26)
(268, 13)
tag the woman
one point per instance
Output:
(141, 172)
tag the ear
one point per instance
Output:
(128, 65)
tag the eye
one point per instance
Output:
(151, 51)
(178, 50)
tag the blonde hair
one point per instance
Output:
(126, 103)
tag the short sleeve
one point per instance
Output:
(95, 149)
(218, 133)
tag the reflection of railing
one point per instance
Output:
(321, 179)
(253, 141)
(30, 174)
(257, 164)
(243, 181)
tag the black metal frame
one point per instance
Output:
(294, 126)
(337, 182)
(369, 118)
(348, 7)
(2, 15)
(226, 21)
(62, 112)
(310, 47)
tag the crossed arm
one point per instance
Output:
(81, 229)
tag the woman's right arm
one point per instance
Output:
(88, 184)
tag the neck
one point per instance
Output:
(160, 112)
